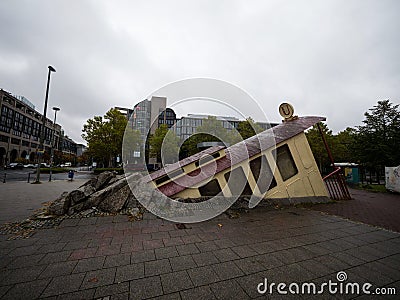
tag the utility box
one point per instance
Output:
(392, 179)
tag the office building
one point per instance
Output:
(20, 129)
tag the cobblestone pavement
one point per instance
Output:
(378, 209)
(112, 258)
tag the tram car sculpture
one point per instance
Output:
(281, 167)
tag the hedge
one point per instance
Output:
(101, 170)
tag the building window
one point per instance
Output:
(237, 182)
(15, 141)
(262, 174)
(285, 162)
(210, 189)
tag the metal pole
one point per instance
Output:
(56, 109)
(41, 147)
(326, 145)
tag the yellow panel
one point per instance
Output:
(277, 193)
(308, 186)
(296, 189)
(187, 193)
(317, 183)
(303, 149)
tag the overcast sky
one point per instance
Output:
(329, 58)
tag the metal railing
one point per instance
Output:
(335, 183)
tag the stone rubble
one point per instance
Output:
(107, 193)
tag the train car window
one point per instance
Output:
(237, 182)
(211, 188)
(168, 176)
(262, 174)
(285, 162)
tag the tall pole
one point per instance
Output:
(41, 147)
(56, 109)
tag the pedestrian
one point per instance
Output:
(71, 174)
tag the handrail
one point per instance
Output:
(337, 170)
(336, 185)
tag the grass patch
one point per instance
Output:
(376, 188)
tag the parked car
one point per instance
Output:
(31, 166)
(14, 166)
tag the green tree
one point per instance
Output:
(104, 136)
(378, 140)
(211, 130)
(248, 128)
(164, 144)
(343, 145)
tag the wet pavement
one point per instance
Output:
(114, 258)
(378, 209)
(18, 200)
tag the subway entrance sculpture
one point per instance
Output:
(276, 164)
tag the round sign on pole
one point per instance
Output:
(286, 110)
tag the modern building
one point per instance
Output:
(80, 149)
(68, 146)
(167, 117)
(20, 129)
(186, 126)
(148, 115)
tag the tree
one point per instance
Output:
(248, 128)
(378, 140)
(317, 145)
(343, 145)
(104, 136)
(84, 158)
(211, 130)
(164, 144)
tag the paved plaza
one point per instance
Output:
(114, 258)
(18, 199)
(378, 209)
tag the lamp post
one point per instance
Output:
(41, 147)
(56, 109)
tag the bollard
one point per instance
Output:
(29, 177)
(4, 179)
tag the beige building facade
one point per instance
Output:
(20, 129)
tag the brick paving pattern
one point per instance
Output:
(112, 258)
(378, 209)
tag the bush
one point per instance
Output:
(101, 170)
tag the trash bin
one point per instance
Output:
(71, 175)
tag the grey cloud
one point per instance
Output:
(332, 58)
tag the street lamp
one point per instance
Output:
(56, 109)
(41, 148)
